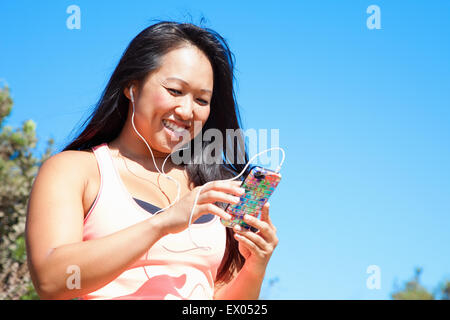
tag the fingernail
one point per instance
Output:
(241, 190)
(228, 216)
(236, 199)
(237, 227)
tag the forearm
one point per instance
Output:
(246, 285)
(99, 260)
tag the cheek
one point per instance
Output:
(160, 101)
(203, 114)
(200, 117)
(151, 104)
(150, 109)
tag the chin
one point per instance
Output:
(167, 146)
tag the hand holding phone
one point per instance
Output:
(259, 186)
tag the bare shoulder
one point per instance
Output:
(72, 167)
(70, 172)
(72, 163)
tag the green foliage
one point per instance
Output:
(445, 290)
(413, 290)
(18, 169)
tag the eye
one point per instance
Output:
(174, 91)
(204, 102)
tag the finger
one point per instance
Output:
(265, 214)
(236, 182)
(247, 243)
(263, 227)
(253, 237)
(212, 196)
(225, 186)
(213, 209)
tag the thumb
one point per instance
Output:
(265, 213)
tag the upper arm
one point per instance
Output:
(55, 208)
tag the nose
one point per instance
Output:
(185, 110)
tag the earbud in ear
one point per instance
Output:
(131, 93)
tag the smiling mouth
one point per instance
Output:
(176, 130)
(173, 126)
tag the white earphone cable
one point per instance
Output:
(201, 187)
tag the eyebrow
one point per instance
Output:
(186, 83)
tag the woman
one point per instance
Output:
(92, 231)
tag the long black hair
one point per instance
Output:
(143, 56)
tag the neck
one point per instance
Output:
(134, 149)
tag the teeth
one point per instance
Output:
(173, 126)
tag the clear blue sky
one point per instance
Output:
(364, 116)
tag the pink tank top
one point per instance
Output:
(171, 270)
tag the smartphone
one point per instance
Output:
(259, 186)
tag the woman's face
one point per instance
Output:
(173, 97)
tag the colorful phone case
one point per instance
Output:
(259, 186)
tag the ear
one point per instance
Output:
(126, 90)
